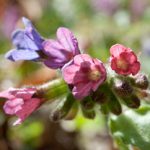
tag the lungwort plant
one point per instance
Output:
(118, 89)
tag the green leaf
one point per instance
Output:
(133, 127)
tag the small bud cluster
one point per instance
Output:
(87, 78)
(125, 92)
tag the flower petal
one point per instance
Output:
(78, 59)
(69, 73)
(57, 55)
(54, 63)
(67, 40)
(26, 22)
(129, 57)
(25, 93)
(7, 94)
(54, 49)
(16, 55)
(98, 64)
(135, 68)
(32, 34)
(117, 49)
(29, 106)
(13, 105)
(18, 38)
(82, 90)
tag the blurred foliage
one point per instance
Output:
(29, 133)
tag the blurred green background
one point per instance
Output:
(97, 24)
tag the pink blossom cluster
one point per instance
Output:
(81, 72)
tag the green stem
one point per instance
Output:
(52, 89)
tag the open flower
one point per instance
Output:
(60, 51)
(28, 42)
(84, 74)
(123, 60)
(20, 103)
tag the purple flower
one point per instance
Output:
(28, 42)
(62, 50)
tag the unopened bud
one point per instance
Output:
(132, 102)
(90, 114)
(99, 97)
(104, 108)
(56, 116)
(141, 81)
(73, 112)
(62, 108)
(114, 105)
(87, 103)
(122, 88)
(141, 93)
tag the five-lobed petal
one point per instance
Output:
(85, 74)
(123, 60)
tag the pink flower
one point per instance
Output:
(84, 74)
(123, 60)
(20, 103)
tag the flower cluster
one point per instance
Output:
(85, 76)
